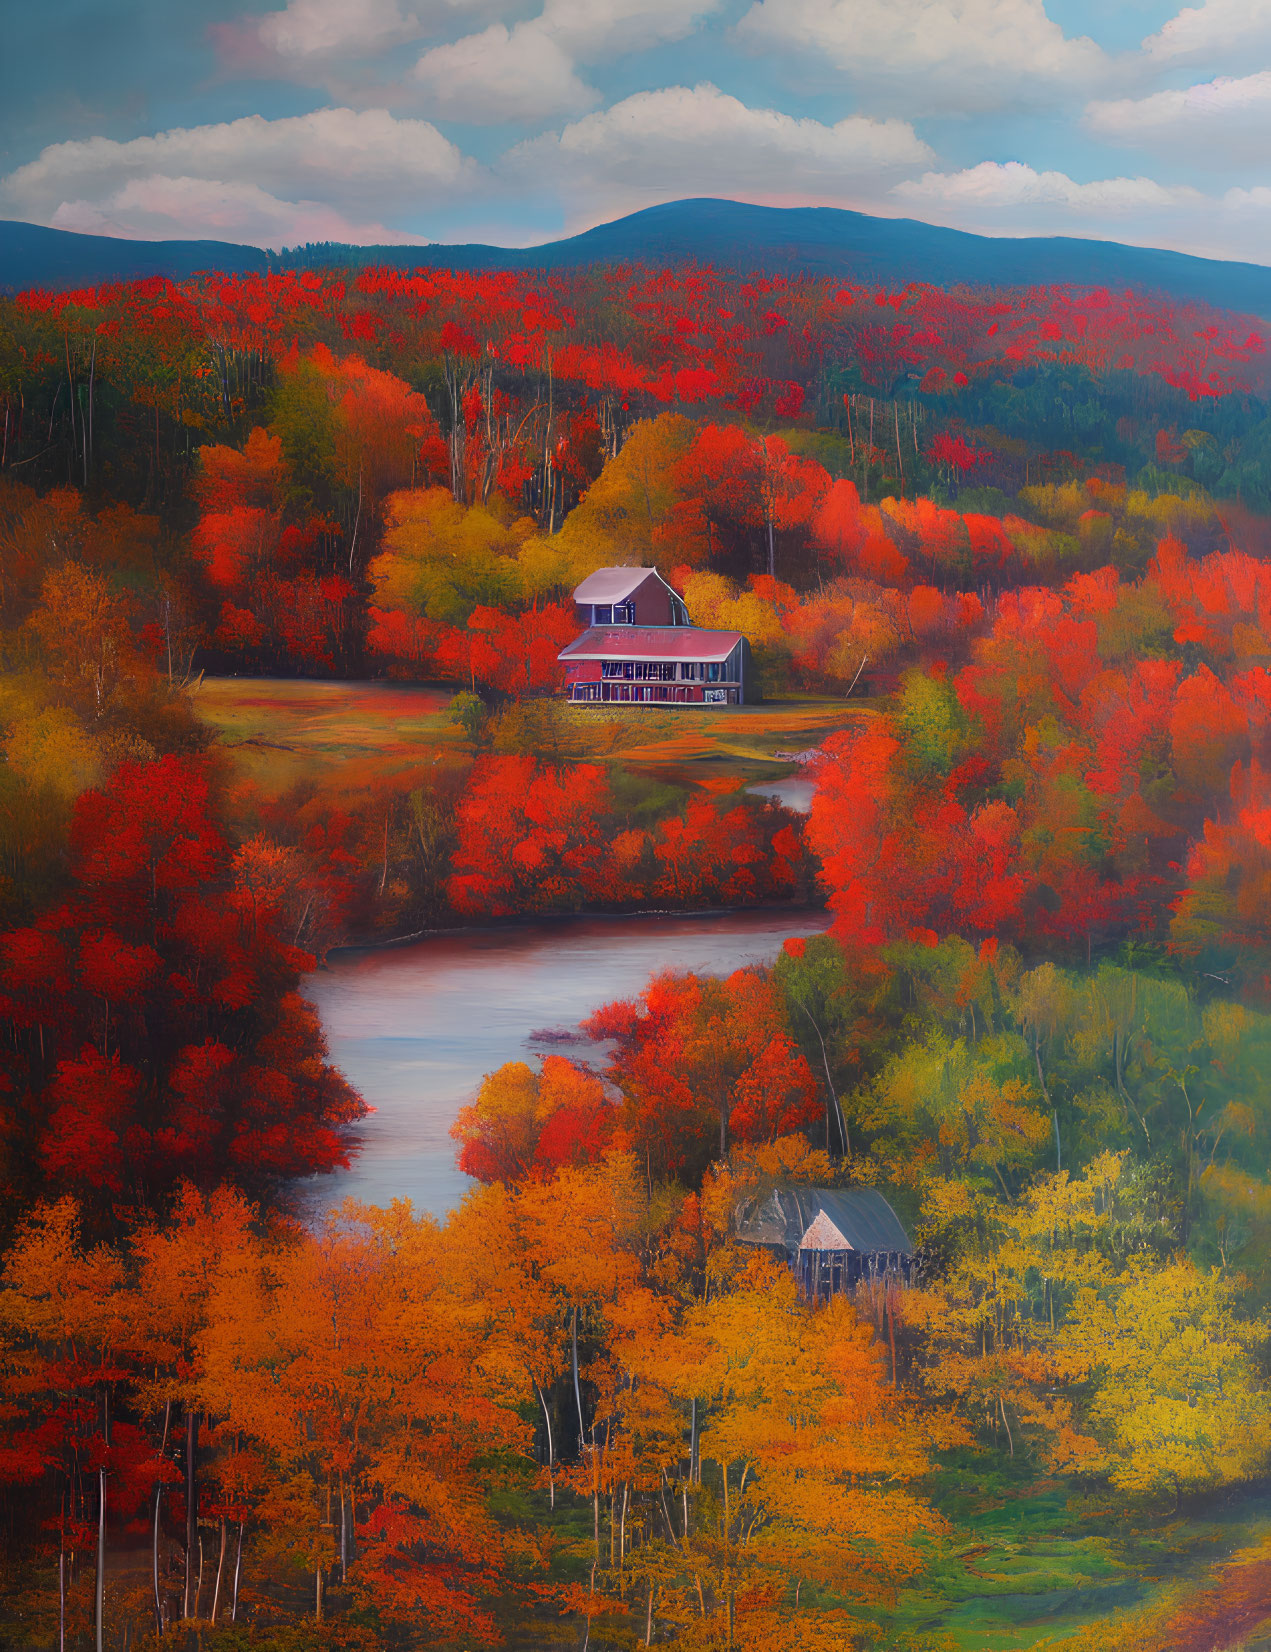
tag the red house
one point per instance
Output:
(640, 647)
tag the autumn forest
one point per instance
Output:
(1003, 563)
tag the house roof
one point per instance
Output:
(787, 1215)
(612, 584)
(651, 642)
(823, 1235)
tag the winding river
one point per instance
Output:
(415, 1028)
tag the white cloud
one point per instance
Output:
(324, 28)
(598, 28)
(309, 39)
(517, 68)
(1228, 31)
(352, 163)
(1218, 122)
(161, 208)
(664, 145)
(502, 75)
(528, 72)
(1258, 198)
(1013, 199)
(995, 185)
(954, 54)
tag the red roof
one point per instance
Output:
(651, 642)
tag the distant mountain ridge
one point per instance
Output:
(829, 241)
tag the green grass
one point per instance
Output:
(1032, 1561)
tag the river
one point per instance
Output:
(415, 1028)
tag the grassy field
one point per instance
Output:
(1034, 1561)
(285, 730)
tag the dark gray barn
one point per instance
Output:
(832, 1238)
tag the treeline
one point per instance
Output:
(114, 384)
(525, 1420)
(411, 472)
(1092, 774)
(580, 1409)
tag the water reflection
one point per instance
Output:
(415, 1028)
(795, 793)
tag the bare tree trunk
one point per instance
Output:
(88, 440)
(99, 1615)
(551, 1455)
(191, 1511)
(220, 1567)
(154, 1547)
(154, 1562)
(578, 1397)
(889, 1302)
(238, 1567)
(1001, 1407)
(694, 1465)
(71, 391)
(357, 520)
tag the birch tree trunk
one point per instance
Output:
(99, 1614)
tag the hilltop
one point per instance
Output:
(823, 241)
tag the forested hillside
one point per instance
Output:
(727, 234)
(1015, 541)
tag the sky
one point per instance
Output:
(516, 123)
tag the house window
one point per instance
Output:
(713, 672)
(679, 613)
(602, 614)
(624, 613)
(690, 672)
(611, 668)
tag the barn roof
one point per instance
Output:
(651, 642)
(861, 1216)
(612, 584)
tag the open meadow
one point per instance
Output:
(283, 730)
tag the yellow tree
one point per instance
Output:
(811, 1450)
(628, 514)
(987, 1329)
(1180, 1403)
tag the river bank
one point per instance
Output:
(416, 1026)
(587, 915)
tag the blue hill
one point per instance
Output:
(32, 256)
(730, 234)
